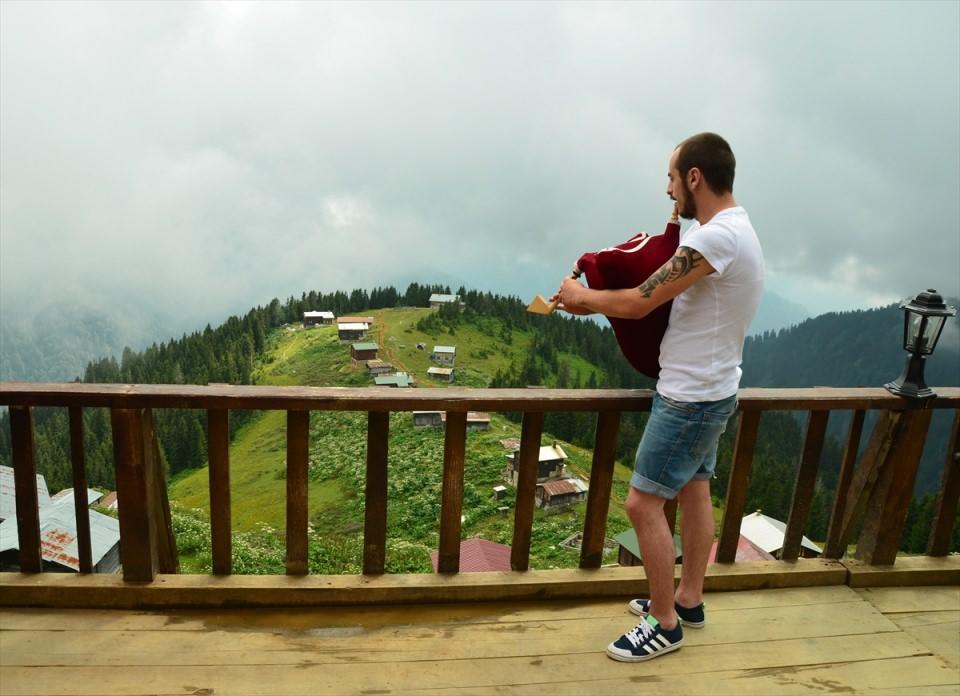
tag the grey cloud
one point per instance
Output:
(195, 159)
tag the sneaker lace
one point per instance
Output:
(639, 633)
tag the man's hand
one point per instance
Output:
(571, 297)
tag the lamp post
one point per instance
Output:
(923, 320)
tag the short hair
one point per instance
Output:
(712, 155)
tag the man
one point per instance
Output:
(715, 280)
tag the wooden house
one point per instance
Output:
(549, 465)
(476, 420)
(361, 352)
(357, 320)
(428, 419)
(378, 367)
(353, 331)
(317, 319)
(438, 300)
(560, 492)
(444, 355)
(441, 374)
(398, 379)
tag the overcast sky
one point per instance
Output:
(196, 159)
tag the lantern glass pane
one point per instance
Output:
(931, 332)
(911, 332)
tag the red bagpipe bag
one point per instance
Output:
(628, 265)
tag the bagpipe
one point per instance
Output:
(627, 265)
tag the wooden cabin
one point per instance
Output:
(441, 374)
(550, 464)
(444, 355)
(362, 352)
(559, 493)
(317, 319)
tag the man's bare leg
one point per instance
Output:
(696, 533)
(659, 557)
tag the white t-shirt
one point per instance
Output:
(702, 349)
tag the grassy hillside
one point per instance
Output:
(297, 356)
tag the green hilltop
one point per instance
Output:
(315, 357)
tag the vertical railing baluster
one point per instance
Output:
(138, 549)
(375, 515)
(747, 430)
(25, 483)
(945, 510)
(298, 445)
(601, 481)
(804, 484)
(834, 547)
(218, 456)
(889, 497)
(526, 462)
(454, 445)
(81, 504)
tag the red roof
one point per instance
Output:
(746, 551)
(479, 556)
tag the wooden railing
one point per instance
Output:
(878, 489)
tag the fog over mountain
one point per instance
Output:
(165, 165)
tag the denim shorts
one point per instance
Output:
(679, 444)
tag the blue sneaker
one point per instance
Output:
(647, 640)
(692, 617)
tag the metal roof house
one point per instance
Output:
(560, 492)
(438, 300)
(8, 501)
(58, 540)
(352, 331)
(398, 379)
(317, 318)
(361, 352)
(767, 533)
(479, 556)
(550, 464)
(442, 374)
(445, 355)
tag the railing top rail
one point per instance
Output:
(450, 399)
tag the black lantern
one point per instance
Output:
(923, 319)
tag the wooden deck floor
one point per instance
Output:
(833, 640)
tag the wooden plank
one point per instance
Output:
(804, 484)
(427, 616)
(298, 446)
(138, 549)
(865, 476)
(168, 560)
(25, 485)
(528, 459)
(912, 599)
(834, 547)
(452, 399)
(81, 506)
(263, 591)
(601, 481)
(408, 642)
(945, 510)
(375, 515)
(218, 455)
(478, 676)
(890, 498)
(909, 570)
(451, 507)
(747, 428)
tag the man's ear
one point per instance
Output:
(694, 177)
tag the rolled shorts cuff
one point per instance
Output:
(645, 485)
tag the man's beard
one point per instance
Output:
(689, 209)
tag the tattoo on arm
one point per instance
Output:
(684, 261)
